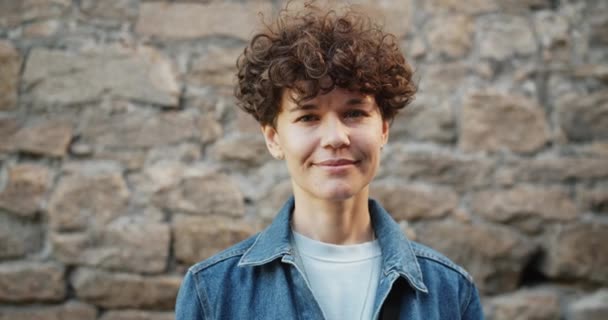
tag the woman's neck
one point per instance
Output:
(337, 222)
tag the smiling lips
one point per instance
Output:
(336, 163)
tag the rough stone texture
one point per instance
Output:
(141, 73)
(440, 81)
(412, 202)
(81, 200)
(10, 63)
(491, 122)
(451, 35)
(32, 281)
(209, 129)
(495, 256)
(593, 199)
(584, 118)
(577, 252)
(198, 238)
(124, 245)
(528, 207)
(9, 125)
(193, 20)
(110, 9)
(244, 149)
(590, 307)
(72, 310)
(18, 237)
(495, 29)
(424, 120)
(121, 290)
(212, 194)
(44, 138)
(470, 7)
(14, 12)
(526, 304)
(140, 129)
(216, 67)
(137, 315)
(438, 166)
(25, 190)
(555, 169)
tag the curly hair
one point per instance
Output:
(311, 52)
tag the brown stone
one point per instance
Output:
(129, 159)
(470, 7)
(440, 81)
(424, 120)
(552, 28)
(140, 129)
(8, 127)
(593, 199)
(590, 307)
(209, 128)
(71, 310)
(10, 64)
(140, 73)
(18, 237)
(216, 68)
(528, 207)
(194, 20)
(555, 169)
(495, 256)
(439, 167)
(32, 281)
(12, 13)
(245, 149)
(47, 138)
(184, 152)
(414, 201)
(83, 200)
(198, 238)
(599, 71)
(137, 315)
(122, 290)
(491, 122)
(577, 251)
(25, 190)
(584, 117)
(41, 29)
(451, 35)
(124, 245)
(211, 194)
(110, 9)
(271, 203)
(526, 304)
(493, 31)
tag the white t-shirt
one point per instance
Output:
(343, 278)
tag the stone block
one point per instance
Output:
(137, 315)
(550, 169)
(71, 310)
(140, 73)
(122, 290)
(249, 150)
(50, 138)
(120, 10)
(593, 199)
(577, 251)
(32, 281)
(425, 120)
(491, 122)
(217, 67)
(494, 29)
(18, 237)
(495, 256)
(527, 207)
(451, 36)
(10, 64)
(584, 118)
(593, 306)
(13, 13)
(526, 304)
(414, 201)
(26, 188)
(198, 238)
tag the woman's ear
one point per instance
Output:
(385, 130)
(272, 141)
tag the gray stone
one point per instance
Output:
(451, 35)
(577, 251)
(9, 125)
(590, 307)
(194, 20)
(10, 64)
(528, 207)
(26, 188)
(414, 201)
(141, 73)
(110, 9)
(491, 122)
(18, 237)
(424, 120)
(555, 169)
(12, 13)
(526, 304)
(441, 81)
(470, 7)
(211, 194)
(32, 281)
(124, 245)
(137, 315)
(216, 68)
(122, 290)
(593, 199)
(495, 256)
(183, 152)
(80, 201)
(494, 29)
(249, 150)
(209, 128)
(44, 138)
(42, 29)
(198, 238)
(584, 117)
(71, 310)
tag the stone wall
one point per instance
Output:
(123, 159)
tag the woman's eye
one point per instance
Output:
(355, 114)
(306, 118)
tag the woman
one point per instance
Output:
(324, 88)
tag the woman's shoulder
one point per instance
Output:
(225, 258)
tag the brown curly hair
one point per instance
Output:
(311, 52)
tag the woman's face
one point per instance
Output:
(331, 143)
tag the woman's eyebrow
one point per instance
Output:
(307, 106)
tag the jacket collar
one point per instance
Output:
(397, 253)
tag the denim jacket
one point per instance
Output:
(260, 278)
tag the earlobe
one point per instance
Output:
(272, 141)
(385, 131)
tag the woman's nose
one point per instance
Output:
(335, 133)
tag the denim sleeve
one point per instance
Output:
(473, 310)
(189, 305)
